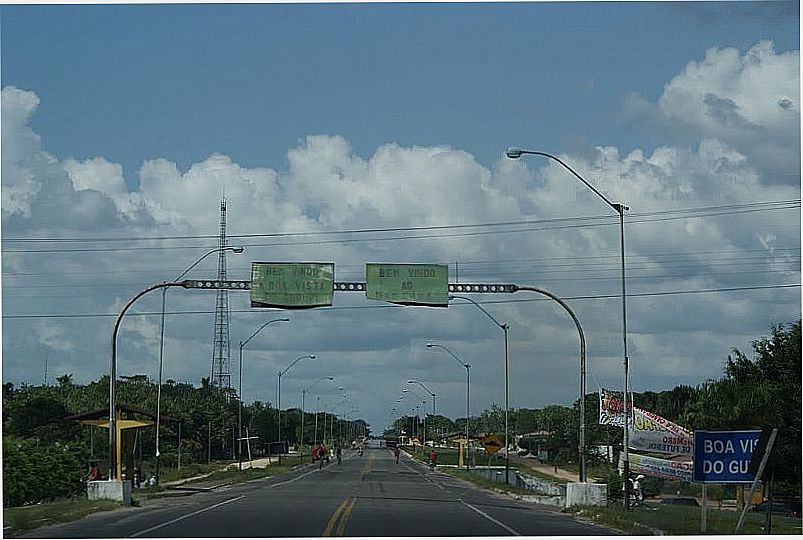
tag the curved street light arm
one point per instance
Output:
(582, 369)
(416, 394)
(310, 356)
(244, 343)
(238, 249)
(453, 355)
(419, 383)
(324, 378)
(497, 323)
(515, 153)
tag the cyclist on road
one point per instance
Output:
(433, 458)
(396, 453)
(339, 451)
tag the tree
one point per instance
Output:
(764, 391)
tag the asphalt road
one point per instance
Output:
(369, 496)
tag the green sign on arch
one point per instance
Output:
(292, 285)
(408, 284)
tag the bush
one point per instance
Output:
(34, 472)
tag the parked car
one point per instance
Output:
(778, 508)
(680, 501)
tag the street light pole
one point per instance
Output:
(303, 394)
(468, 387)
(113, 376)
(279, 396)
(419, 383)
(238, 249)
(240, 401)
(582, 443)
(504, 328)
(619, 208)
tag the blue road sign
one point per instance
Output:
(723, 457)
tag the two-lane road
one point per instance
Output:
(369, 496)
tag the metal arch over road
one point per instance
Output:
(244, 285)
(348, 286)
(480, 288)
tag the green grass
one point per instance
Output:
(25, 518)
(486, 484)
(679, 520)
(234, 476)
(215, 474)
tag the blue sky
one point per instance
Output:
(129, 121)
(127, 82)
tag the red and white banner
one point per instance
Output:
(660, 468)
(648, 431)
(652, 433)
(611, 407)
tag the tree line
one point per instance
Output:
(757, 391)
(45, 456)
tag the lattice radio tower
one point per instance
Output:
(221, 358)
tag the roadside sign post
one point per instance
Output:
(759, 473)
(492, 444)
(723, 457)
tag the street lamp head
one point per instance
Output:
(331, 378)
(429, 344)
(238, 249)
(312, 357)
(513, 152)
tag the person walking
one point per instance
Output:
(396, 453)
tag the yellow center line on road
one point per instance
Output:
(345, 516)
(339, 518)
(332, 520)
(337, 522)
(368, 466)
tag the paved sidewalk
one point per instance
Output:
(547, 469)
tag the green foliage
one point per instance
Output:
(34, 471)
(60, 511)
(761, 392)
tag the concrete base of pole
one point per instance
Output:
(586, 494)
(113, 490)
